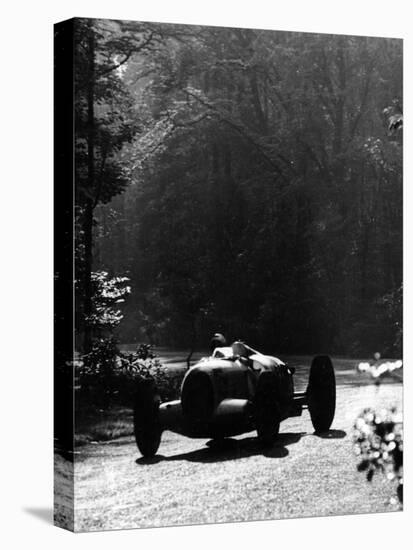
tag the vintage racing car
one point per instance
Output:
(234, 391)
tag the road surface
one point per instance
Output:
(188, 482)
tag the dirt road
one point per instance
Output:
(190, 483)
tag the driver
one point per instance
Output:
(217, 341)
(237, 351)
(219, 346)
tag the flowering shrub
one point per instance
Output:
(379, 370)
(378, 440)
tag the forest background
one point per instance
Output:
(238, 180)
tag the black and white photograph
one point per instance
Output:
(231, 253)
(205, 271)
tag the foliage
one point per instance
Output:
(378, 440)
(394, 117)
(266, 189)
(108, 294)
(379, 370)
(104, 122)
(107, 376)
(98, 375)
(104, 113)
(392, 304)
(144, 364)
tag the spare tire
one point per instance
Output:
(146, 422)
(321, 393)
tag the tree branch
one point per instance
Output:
(131, 51)
(240, 130)
(116, 65)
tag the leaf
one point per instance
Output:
(363, 465)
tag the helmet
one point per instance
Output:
(218, 340)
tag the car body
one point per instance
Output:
(235, 391)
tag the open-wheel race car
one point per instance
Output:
(235, 391)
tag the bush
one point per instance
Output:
(378, 438)
(143, 364)
(106, 376)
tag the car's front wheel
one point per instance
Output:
(146, 422)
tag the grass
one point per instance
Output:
(97, 425)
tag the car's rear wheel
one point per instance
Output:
(321, 393)
(266, 408)
(146, 422)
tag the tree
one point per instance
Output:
(104, 123)
(266, 196)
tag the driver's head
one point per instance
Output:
(218, 341)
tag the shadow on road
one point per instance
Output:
(331, 434)
(231, 449)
